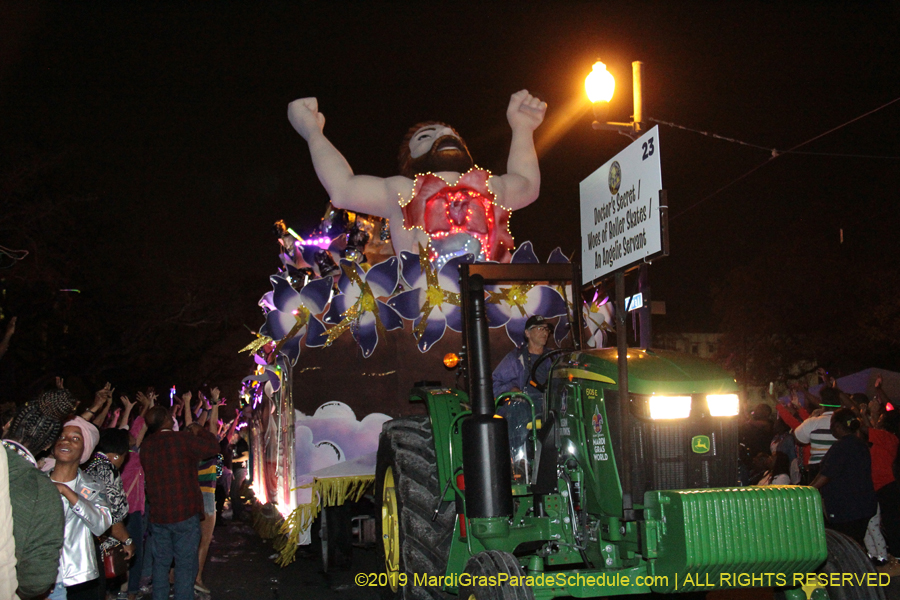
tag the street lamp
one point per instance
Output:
(600, 85)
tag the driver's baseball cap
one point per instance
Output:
(535, 321)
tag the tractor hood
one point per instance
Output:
(650, 371)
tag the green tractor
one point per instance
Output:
(596, 495)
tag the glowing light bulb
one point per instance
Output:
(599, 84)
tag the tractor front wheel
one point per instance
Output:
(483, 573)
(407, 488)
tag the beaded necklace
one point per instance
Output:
(20, 450)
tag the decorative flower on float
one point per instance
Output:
(268, 376)
(293, 313)
(598, 317)
(358, 309)
(432, 299)
(514, 304)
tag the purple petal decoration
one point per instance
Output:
(316, 294)
(524, 254)
(291, 349)
(561, 331)
(545, 301)
(383, 278)
(453, 315)
(284, 297)
(260, 360)
(411, 269)
(344, 283)
(515, 329)
(316, 335)
(448, 276)
(434, 330)
(267, 376)
(497, 315)
(557, 256)
(408, 303)
(389, 317)
(339, 305)
(366, 333)
(266, 302)
(279, 324)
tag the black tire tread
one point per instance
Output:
(407, 446)
(845, 556)
(494, 562)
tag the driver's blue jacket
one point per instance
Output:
(513, 371)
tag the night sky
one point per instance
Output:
(171, 117)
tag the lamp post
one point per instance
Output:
(600, 85)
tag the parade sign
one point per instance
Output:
(620, 215)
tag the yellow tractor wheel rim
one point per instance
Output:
(390, 528)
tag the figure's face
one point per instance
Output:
(436, 148)
(423, 139)
(69, 446)
(537, 336)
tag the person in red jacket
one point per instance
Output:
(170, 462)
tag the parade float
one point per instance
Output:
(367, 304)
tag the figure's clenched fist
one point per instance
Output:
(525, 111)
(304, 115)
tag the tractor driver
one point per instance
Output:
(513, 372)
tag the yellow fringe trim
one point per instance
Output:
(328, 491)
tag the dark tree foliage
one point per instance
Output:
(811, 298)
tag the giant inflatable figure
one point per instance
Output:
(441, 201)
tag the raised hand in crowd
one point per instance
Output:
(126, 413)
(96, 414)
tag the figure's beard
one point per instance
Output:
(455, 159)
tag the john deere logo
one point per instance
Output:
(700, 444)
(615, 178)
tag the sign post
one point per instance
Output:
(623, 225)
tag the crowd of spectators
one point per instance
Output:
(844, 445)
(136, 480)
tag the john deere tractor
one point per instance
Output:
(612, 487)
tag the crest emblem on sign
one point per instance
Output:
(700, 444)
(615, 178)
(597, 421)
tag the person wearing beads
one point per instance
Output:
(87, 512)
(38, 517)
(105, 466)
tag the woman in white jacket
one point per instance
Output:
(87, 512)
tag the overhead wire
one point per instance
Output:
(774, 152)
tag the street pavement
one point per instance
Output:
(242, 567)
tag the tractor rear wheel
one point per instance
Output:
(491, 564)
(408, 490)
(845, 556)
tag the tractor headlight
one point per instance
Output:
(723, 405)
(669, 407)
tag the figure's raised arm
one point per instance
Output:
(360, 193)
(522, 182)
